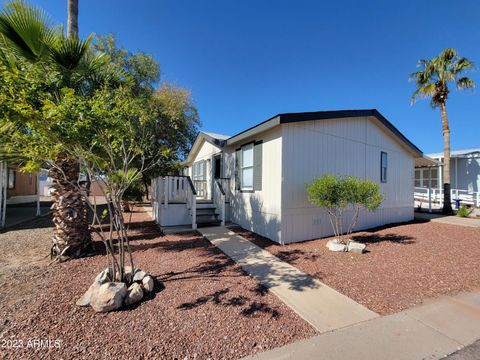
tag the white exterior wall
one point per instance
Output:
(349, 146)
(259, 211)
(206, 152)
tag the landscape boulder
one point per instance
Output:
(134, 294)
(356, 247)
(89, 295)
(109, 296)
(147, 283)
(336, 245)
(104, 276)
(139, 275)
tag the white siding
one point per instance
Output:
(260, 211)
(207, 150)
(343, 147)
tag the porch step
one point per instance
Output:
(207, 216)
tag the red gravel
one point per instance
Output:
(405, 265)
(208, 307)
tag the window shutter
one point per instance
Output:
(257, 166)
(238, 168)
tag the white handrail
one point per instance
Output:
(219, 200)
(436, 195)
(173, 189)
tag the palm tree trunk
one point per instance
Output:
(72, 19)
(71, 238)
(447, 201)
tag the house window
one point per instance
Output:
(11, 179)
(424, 176)
(198, 170)
(383, 167)
(247, 167)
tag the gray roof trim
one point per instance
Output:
(322, 115)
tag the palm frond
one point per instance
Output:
(67, 53)
(461, 65)
(465, 83)
(447, 55)
(27, 29)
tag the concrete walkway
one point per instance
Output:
(429, 331)
(451, 220)
(323, 307)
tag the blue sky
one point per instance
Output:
(247, 60)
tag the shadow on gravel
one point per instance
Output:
(158, 287)
(376, 238)
(214, 268)
(250, 308)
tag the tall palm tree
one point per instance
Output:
(72, 18)
(432, 81)
(28, 33)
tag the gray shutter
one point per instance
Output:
(257, 166)
(238, 167)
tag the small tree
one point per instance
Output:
(341, 194)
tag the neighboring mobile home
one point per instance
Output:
(464, 177)
(262, 172)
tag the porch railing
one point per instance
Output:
(433, 195)
(219, 199)
(201, 188)
(225, 184)
(173, 189)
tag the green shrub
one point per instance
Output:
(336, 194)
(464, 211)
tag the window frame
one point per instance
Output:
(383, 176)
(244, 188)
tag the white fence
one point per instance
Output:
(175, 193)
(436, 196)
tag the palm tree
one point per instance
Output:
(432, 81)
(28, 33)
(72, 19)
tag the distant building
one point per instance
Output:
(464, 171)
(21, 186)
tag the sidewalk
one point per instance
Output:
(323, 307)
(451, 220)
(429, 331)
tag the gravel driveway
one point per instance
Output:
(204, 306)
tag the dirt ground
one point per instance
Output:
(405, 264)
(204, 306)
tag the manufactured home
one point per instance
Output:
(464, 178)
(257, 178)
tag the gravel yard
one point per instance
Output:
(204, 306)
(405, 265)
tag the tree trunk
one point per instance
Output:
(71, 238)
(72, 19)
(145, 184)
(447, 201)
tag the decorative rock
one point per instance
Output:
(89, 295)
(134, 294)
(336, 245)
(147, 283)
(356, 247)
(104, 276)
(109, 296)
(139, 275)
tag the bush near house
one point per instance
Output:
(337, 194)
(464, 211)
